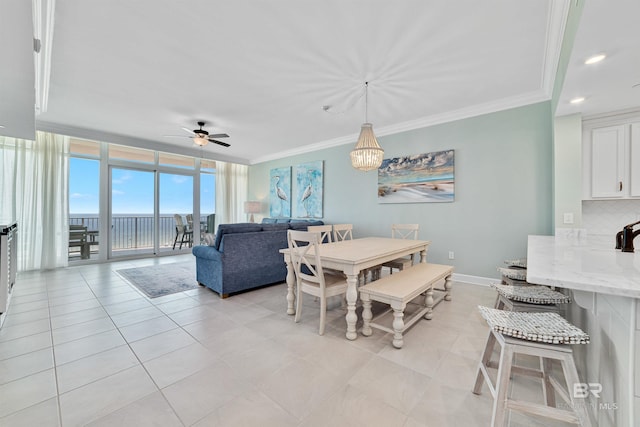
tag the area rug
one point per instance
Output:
(162, 279)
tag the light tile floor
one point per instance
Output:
(80, 346)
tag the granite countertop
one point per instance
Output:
(583, 263)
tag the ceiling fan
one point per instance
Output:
(201, 137)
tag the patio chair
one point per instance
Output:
(183, 232)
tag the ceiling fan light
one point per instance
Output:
(367, 155)
(198, 140)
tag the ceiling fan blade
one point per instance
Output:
(224, 144)
(219, 135)
(177, 136)
(189, 131)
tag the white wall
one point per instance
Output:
(503, 187)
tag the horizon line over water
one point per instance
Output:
(95, 215)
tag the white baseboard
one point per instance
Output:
(474, 280)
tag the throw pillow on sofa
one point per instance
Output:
(209, 239)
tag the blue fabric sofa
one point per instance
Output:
(245, 256)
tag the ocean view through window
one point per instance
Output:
(129, 187)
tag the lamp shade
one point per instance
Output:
(252, 207)
(368, 154)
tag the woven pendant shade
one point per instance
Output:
(368, 154)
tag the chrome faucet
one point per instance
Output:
(624, 238)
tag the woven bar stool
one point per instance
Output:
(530, 298)
(514, 276)
(543, 335)
(516, 262)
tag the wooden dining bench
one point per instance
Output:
(398, 290)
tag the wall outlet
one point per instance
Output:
(451, 256)
(568, 218)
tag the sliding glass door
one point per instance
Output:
(176, 212)
(132, 212)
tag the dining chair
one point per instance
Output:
(402, 231)
(323, 230)
(345, 232)
(342, 232)
(310, 276)
(182, 231)
(324, 236)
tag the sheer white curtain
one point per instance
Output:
(34, 192)
(232, 181)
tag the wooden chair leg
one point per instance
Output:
(367, 315)
(486, 356)
(298, 304)
(323, 314)
(571, 378)
(499, 415)
(429, 302)
(547, 388)
(398, 325)
(448, 284)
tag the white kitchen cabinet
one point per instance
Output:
(634, 156)
(608, 161)
(611, 157)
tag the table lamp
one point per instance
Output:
(252, 208)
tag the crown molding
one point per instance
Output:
(100, 136)
(43, 25)
(556, 26)
(451, 116)
(556, 23)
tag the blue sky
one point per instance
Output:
(132, 191)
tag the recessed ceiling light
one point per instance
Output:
(595, 58)
(577, 100)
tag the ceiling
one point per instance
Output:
(609, 27)
(265, 72)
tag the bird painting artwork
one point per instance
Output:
(309, 183)
(280, 193)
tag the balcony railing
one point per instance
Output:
(131, 232)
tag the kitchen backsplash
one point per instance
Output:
(609, 216)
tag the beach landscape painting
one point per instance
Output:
(419, 178)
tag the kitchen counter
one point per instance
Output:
(605, 286)
(583, 263)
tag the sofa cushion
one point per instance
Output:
(268, 220)
(274, 227)
(283, 220)
(303, 224)
(223, 229)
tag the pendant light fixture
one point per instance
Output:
(368, 154)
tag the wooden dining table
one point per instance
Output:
(351, 257)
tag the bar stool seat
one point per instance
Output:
(514, 273)
(543, 335)
(528, 298)
(516, 262)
